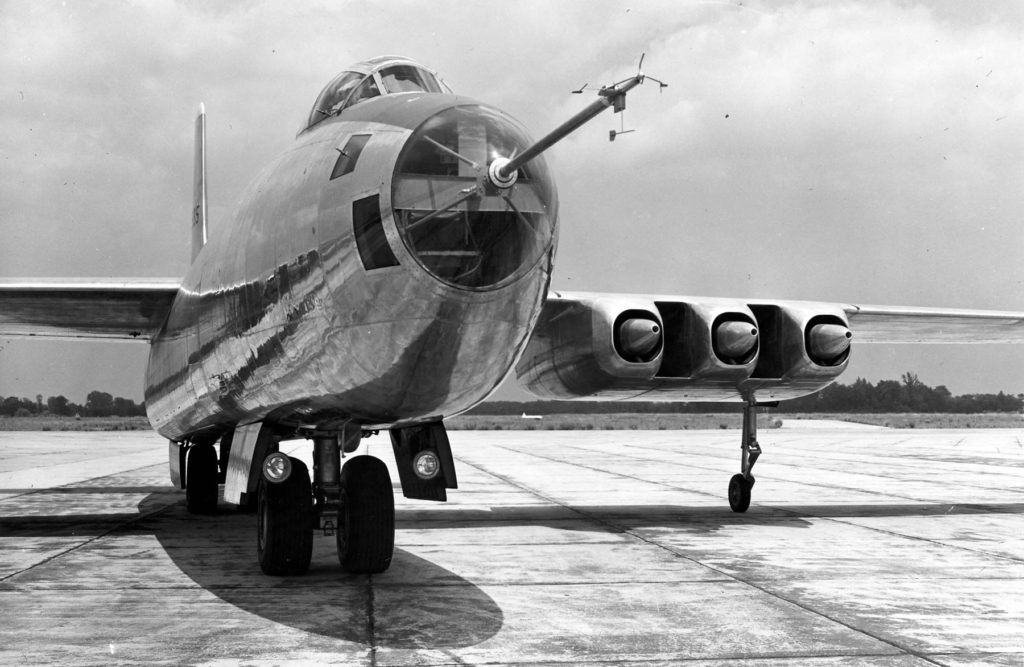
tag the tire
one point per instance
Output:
(366, 542)
(201, 478)
(739, 493)
(284, 527)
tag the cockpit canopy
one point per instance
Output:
(378, 76)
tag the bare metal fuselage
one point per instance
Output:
(279, 319)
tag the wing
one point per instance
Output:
(673, 348)
(130, 309)
(893, 324)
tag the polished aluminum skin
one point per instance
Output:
(398, 290)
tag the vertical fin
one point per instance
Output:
(199, 186)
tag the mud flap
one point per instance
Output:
(410, 441)
(176, 460)
(250, 444)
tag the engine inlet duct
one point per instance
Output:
(638, 339)
(828, 344)
(735, 341)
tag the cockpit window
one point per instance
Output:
(408, 79)
(334, 95)
(376, 78)
(367, 89)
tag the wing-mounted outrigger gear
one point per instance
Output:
(741, 484)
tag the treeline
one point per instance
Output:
(97, 404)
(907, 395)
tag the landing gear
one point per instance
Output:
(201, 477)
(284, 530)
(366, 540)
(354, 503)
(740, 485)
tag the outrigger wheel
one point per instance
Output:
(284, 529)
(366, 539)
(739, 492)
(201, 478)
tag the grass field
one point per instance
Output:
(626, 421)
(55, 423)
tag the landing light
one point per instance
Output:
(426, 464)
(277, 467)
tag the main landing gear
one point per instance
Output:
(740, 484)
(354, 503)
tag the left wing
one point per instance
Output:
(673, 348)
(893, 324)
(130, 309)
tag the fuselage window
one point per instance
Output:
(369, 232)
(349, 155)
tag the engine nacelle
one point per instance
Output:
(638, 348)
(804, 347)
(600, 347)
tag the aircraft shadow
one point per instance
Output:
(433, 608)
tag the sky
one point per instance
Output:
(854, 152)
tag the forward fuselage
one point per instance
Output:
(348, 287)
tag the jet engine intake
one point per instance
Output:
(828, 342)
(637, 336)
(735, 340)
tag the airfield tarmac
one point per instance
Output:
(861, 547)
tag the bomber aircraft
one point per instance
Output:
(388, 272)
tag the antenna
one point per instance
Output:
(502, 172)
(619, 101)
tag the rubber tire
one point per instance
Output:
(284, 523)
(201, 477)
(739, 493)
(366, 541)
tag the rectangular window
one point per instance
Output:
(369, 231)
(349, 155)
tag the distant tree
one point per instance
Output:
(57, 405)
(99, 404)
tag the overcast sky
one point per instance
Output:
(865, 152)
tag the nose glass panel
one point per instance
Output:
(460, 228)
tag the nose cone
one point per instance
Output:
(735, 341)
(462, 230)
(828, 343)
(639, 339)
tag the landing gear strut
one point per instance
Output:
(354, 503)
(740, 485)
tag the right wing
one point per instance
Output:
(129, 309)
